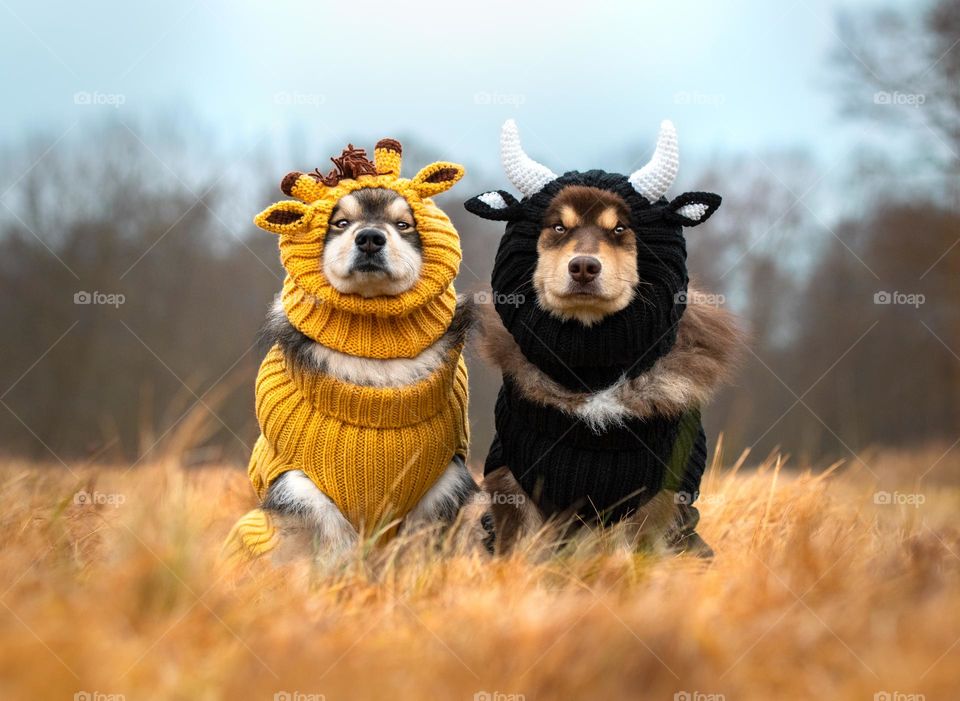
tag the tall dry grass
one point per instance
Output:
(816, 592)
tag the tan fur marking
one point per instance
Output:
(608, 219)
(569, 217)
(399, 210)
(347, 208)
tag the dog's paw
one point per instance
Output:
(692, 544)
(473, 530)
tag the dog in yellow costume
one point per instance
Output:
(362, 397)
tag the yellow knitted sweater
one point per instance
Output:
(374, 451)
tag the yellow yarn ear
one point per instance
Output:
(284, 218)
(306, 187)
(437, 177)
(387, 156)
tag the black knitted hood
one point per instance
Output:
(626, 343)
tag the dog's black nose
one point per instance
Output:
(370, 240)
(584, 269)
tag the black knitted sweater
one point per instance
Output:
(567, 468)
(563, 464)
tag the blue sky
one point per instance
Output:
(587, 82)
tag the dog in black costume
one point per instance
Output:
(607, 356)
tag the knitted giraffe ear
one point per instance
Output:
(306, 187)
(284, 218)
(436, 178)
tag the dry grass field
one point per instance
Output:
(817, 591)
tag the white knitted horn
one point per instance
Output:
(526, 174)
(654, 179)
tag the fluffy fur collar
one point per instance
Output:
(702, 359)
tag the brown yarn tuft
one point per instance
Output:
(351, 164)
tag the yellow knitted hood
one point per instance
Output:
(400, 326)
(374, 451)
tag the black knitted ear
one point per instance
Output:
(692, 208)
(497, 205)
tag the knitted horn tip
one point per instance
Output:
(389, 145)
(289, 180)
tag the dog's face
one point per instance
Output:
(587, 255)
(372, 247)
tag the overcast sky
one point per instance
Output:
(584, 80)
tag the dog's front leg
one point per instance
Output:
(455, 494)
(308, 521)
(514, 513)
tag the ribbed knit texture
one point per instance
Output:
(628, 342)
(564, 466)
(560, 462)
(689, 457)
(374, 451)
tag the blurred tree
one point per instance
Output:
(163, 218)
(125, 372)
(902, 69)
(167, 226)
(912, 62)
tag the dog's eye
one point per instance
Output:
(619, 229)
(560, 228)
(341, 223)
(402, 225)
